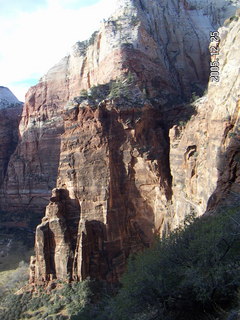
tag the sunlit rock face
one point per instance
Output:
(125, 169)
(205, 154)
(7, 99)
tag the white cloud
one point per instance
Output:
(32, 42)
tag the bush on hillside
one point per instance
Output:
(121, 88)
(191, 274)
(193, 271)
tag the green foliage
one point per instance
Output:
(99, 92)
(73, 299)
(13, 280)
(182, 124)
(92, 38)
(81, 47)
(96, 93)
(194, 97)
(234, 18)
(229, 20)
(121, 88)
(190, 272)
(232, 134)
(76, 296)
(84, 94)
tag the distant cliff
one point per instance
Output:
(114, 131)
(10, 112)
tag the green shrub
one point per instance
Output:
(84, 94)
(182, 124)
(234, 18)
(192, 271)
(229, 20)
(122, 87)
(92, 38)
(194, 97)
(125, 87)
(232, 134)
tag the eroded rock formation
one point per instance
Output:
(115, 167)
(124, 168)
(164, 43)
(114, 164)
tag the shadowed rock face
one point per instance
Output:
(10, 111)
(119, 176)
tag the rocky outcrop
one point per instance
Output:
(32, 169)
(10, 111)
(114, 167)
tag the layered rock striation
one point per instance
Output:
(164, 43)
(112, 131)
(124, 178)
(114, 169)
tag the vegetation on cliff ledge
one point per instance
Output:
(123, 90)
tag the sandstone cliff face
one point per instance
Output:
(121, 187)
(114, 167)
(165, 43)
(10, 111)
(120, 177)
(204, 155)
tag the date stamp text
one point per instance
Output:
(214, 51)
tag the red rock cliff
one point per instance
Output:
(155, 41)
(119, 177)
(117, 185)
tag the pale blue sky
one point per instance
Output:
(34, 35)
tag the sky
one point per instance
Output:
(36, 34)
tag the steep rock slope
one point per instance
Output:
(204, 156)
(164, 43)
(10, 111)
(116, 187)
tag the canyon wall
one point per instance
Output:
(164, 43)
(123, 168)
(124, 177)
(204, 152)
